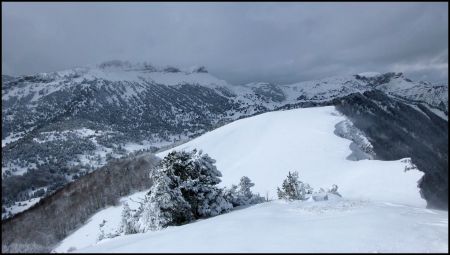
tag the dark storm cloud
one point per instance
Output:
(239, 42)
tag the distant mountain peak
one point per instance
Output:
(123, 65)
(369, 74)
(198, 69)
(115, 65)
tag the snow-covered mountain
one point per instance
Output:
(59, 126)
(381, 199)
(265, 147)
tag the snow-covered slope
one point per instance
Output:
(277, 226)
(394, 84)
(265, 148)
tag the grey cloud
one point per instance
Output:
(239, 42)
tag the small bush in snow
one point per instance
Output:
(244, 187)
(128, 224)
(308, 189)
(231, 195)
(242, 195)
(104, 235)
(334, 191)
(325, 195)
(293, 189)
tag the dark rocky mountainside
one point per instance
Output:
(398, 130)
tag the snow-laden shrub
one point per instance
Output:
(129, 221)
(322, 195)
(294, 189)
(242, 195)
(214, 204)
(126, 220)
(198, 185)
(106, 234)
(244, 187)
(184, 189)
(163, 206)
(334, 191)
(231, 195)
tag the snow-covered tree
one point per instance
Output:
(214, 203)
(184, 189)
(242, 195)
(246, 195)
(101, 235)
(198, 185)
(244, 187)
(128, 224)
(293, 189)
(164, 204)
(231, 195)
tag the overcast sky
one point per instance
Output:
(238, 42)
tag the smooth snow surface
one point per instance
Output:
(278, 226)
(382, 209)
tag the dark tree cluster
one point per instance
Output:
(54, 217)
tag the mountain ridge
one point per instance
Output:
(61, 125)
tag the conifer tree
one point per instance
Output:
(184, 189)
(292, 188)
(127, 223)
(244, 187)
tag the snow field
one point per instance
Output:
(382, 209)
(277, 226)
